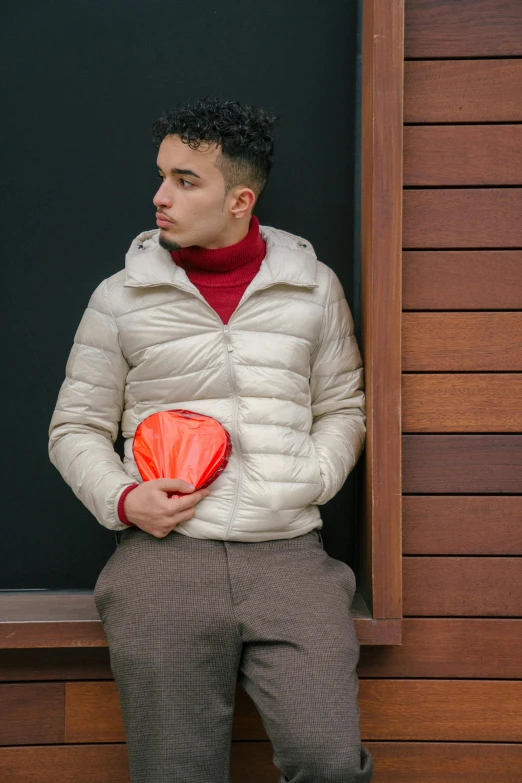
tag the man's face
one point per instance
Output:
(192, 195)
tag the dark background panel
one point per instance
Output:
(83, 84)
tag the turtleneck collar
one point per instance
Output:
(223, 259)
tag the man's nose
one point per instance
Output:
(162, 198)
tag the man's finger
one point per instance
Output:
(173, 485)
(175, 505)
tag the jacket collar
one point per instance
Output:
(289, 259)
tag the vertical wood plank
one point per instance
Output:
(381, 247)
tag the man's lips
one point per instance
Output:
(163, 218)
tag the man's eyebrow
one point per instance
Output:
(189, 172)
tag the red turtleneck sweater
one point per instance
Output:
(221, 275)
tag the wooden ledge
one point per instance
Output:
(64, 618)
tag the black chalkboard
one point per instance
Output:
(82, 84)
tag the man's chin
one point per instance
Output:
(168, 244)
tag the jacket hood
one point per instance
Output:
(289, 259)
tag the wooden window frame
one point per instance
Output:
(380, 580)
(57, 618)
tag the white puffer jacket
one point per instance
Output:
(284, 377)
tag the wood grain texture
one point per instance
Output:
(395, 762)
(31, 713)
(370, 631)
(462, 342)
(445, 762)
(436, 647)
(462, 464)
(50, 618)
(49, 605)
(22, 635)
(484, 525)
(395, 709)
(462, 586)
(250, 761)
(462, 155)
(384, 712)
(48, 634)
(467, 28)
(449, 647)
(454, 402)
(69, 663)
(462, 280)
(65, 764)
(462, 217)
(463, 91)
(379, 701)
(381, 257)
(92, 712)
(456, 710)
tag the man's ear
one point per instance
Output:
(242, 202)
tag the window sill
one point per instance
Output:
(63, 618)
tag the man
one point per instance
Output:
(217, 314)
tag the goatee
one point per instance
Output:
(168, 244)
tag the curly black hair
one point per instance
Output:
(242, 132)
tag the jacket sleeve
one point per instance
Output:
(85, 422)
(337, 394)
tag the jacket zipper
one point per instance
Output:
(235, 435)
(228, 349)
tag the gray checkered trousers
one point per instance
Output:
(186, 618)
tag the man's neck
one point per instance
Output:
(233, 234)
(223, 259)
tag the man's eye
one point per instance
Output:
(160, 176)
(186, 182)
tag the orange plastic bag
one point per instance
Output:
(181, 444)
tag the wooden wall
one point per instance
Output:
(446, 705)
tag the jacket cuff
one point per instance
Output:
(121, 501)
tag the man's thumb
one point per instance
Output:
(173, 485)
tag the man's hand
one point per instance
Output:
(149, 507)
